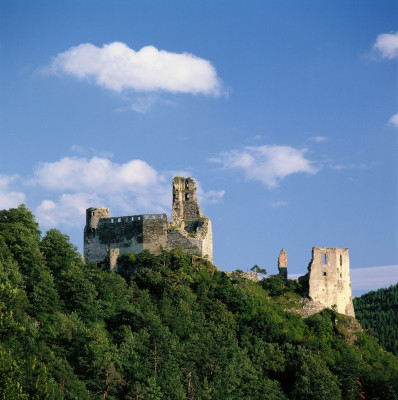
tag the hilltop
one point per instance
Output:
(167, 326)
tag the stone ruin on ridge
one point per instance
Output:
(106, 238)
(327, 281)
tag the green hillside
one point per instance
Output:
(378, 312)
(176, 328)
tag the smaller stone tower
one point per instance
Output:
(282, 264)
(93, 215)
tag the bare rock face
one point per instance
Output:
(105, 238)
(328, 279)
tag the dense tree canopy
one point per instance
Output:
(378, 312)
(167, 327)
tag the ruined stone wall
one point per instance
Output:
(127, 234)
(329, 279)
(199, 242)
(185, 212)
(107, 237)
(191, 230)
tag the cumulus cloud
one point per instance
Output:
(133, 187)
(98, 174)
(267, 164)
(393, 121)
(68, 211)
(8, 197)
(211, 196)
(117, 67)
(386, 45)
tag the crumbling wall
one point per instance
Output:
(329, 279)
(127, 234)
(105, 236)
(189, 229)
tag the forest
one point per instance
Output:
(377, 311)
(168, 326)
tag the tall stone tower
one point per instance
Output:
(328, 279)
(191, 229)
(185, 211)
(282, 264)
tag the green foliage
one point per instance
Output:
(377, 311)
(168, 326)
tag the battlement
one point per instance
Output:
(132, 218)
(105, 237)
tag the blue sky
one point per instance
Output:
(285, 112)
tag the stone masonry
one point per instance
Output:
(105, 238)
(282, 264)
(328, 279)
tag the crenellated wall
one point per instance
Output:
(128, 234)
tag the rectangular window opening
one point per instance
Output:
(341, 260)
(324, 274)
(187, 196)
(324, 258)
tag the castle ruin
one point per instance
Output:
(106, 238)
(328, 280)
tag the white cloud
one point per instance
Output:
(387, 45)
(130, 188)
(211, 196)
(98, 174)
(134, 187)
(267, 164)
(393, 121)
(69, 211)
(117, 67)
(8, 197)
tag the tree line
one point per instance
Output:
(377, 311)
(167, 326)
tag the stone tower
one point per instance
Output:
(191, 229)
(93, 216)
(282, 264)
(185, 211)
(328, 279)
